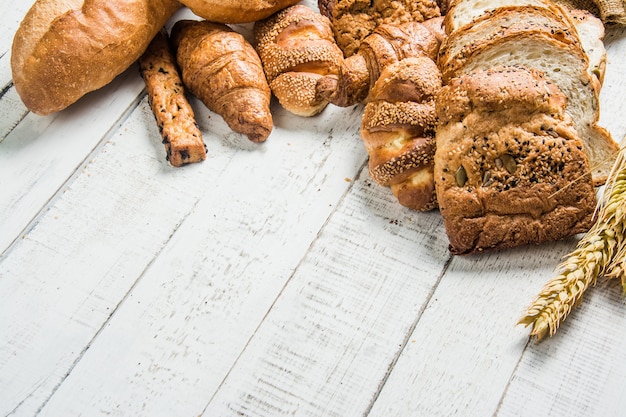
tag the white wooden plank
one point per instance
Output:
(579, 372)
(41, 153)
(64, 278)
(196, 305)
(466, 345)
(328, 343)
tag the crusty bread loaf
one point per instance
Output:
(588, 28)
(65, 49)
(556, 55)
(590, 31)
(236, 11)
(510, 169)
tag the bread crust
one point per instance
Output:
(510, 169)
(63, 50)
(223, 70)
(236, 11)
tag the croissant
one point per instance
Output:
(224, 71)
(296, 47)
(398, 130)
(386, 45)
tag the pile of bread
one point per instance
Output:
(487, 111)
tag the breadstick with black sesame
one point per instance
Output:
(175, 117)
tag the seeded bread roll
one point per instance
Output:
(398, 130)
(297, 47)
(509, 167)
(65, 49)
(236, 11)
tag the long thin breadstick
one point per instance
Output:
(175, 117)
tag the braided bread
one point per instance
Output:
(296, 47)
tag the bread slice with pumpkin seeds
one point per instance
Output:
(509, 166)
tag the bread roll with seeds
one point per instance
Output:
(223, 70)
(398, 130)
(386, 45)
(296, 47)
(509, 165)
(175, 117)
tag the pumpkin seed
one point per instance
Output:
(509, 163)
(460, 176)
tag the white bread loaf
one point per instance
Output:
(65, 49)
(588, 28)
(236, 11)
(558, 53)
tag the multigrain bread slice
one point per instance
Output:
(563, 62)
(588, 28)
(509, 167)
(463, 12)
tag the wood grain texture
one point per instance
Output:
(272, 279)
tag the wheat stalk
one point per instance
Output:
(594, 255)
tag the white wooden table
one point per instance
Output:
(270, 280)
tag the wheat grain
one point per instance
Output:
(594, 256)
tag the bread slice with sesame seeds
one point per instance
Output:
(509, 167)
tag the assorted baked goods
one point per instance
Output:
(487, 111)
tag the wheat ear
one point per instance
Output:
(591, 258)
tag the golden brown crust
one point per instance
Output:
(398, 130)
(63, 50)
(296, 47)
(223, 70)
(354, 20)
(386, 45)
(510, 169)
(236, 11)
(166, 94)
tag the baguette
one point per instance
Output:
(64, 49)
